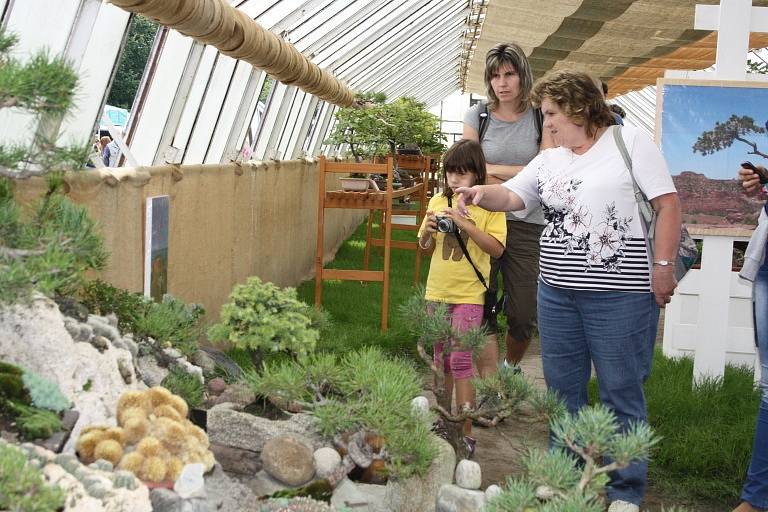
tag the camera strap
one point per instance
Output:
(466, 253)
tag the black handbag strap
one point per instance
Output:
(538, 121)
(466, 253)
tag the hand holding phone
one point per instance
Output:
(761, 172)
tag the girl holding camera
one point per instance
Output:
(464, 246)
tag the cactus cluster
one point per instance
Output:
(154, 439)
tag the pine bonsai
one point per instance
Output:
(49, 249)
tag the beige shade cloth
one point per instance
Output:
(233, 33)
(626, 43)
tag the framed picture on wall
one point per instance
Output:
(706, 129)
(156, 246)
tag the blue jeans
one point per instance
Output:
(755, 491)
(613, 331)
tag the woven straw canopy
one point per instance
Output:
(628, 44)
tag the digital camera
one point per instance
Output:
(445, 224)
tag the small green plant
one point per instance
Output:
(571, 476)
(35, 423)
(44, 393)
(264, 318)
(22, 487)
(185, 385)
(365, 390)
(172, 321)
(102, 298)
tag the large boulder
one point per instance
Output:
(289, 459)
(419, 493)
(34, 336)
(229, 427)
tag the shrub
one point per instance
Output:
(35, 423)
(264, 318)
(185, 385)
(172, 321)
(45, 394)
(364, 390)
(102, 298)
(22, 488)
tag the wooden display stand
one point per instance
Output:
(356, 200)
(418, 168)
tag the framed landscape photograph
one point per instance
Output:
(156, 247)
(706, 129)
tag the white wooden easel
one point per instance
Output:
(711, 313)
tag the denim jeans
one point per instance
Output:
(755, 491)
(613, 331)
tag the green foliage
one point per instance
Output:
(260, 316)
(379, 128)
(102, 298)
(556, 480)
(22, 487)
(364, 390)
(707, 431)
(11, 383)
(185, 385)
(141, 36)
(35, 423)
(44, 86)
(723, 135)
(49, 252)
(45, 394)
(172, 321)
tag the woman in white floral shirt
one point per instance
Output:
(599, 292)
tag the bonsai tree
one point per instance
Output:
(570, 477)
(51, 249)
(377, 128)
(723, 135)
(498, 396)
(262, 317)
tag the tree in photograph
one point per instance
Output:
(723, 135)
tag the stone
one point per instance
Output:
(172, 353)
(238, 393)
(326, 460)
(42, 343)
(189, 368)
(348, 494)
(126, 370)
(452, 498)
(217, 386)
(190, 483)
(492, 491)
(100, 343)
(236, 460)
(468, 474)
(226, 494)
(242, 430)
(418, 493)
(165, 500)
(131, 345)
(288, 458)
(262, 484)
(152, 374)
(420, 406)
(206, 362)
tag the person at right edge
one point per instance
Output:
(754, 494)
(511, 138)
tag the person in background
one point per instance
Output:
(511, 138)
(599, 293)
(616, 110)
(453, 278)
(103, 151)
(112, 152)
(754, 494)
